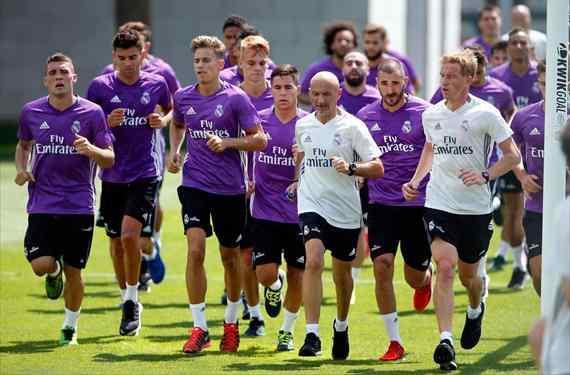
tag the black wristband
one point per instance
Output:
(351, 169)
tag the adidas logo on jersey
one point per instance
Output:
(438, 126)
(375, 128)
(44, 125)
(534, 131)
(191, 111)
(307, 139)
(115, 99)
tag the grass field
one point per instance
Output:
(30, 323)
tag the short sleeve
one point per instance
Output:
(102, 136)
(497, 128)
(364, 144)
(426, 129)
(177, 114)
(92, 94)
(165, 99)
(245, 111)
(516, 127)
(24, 130)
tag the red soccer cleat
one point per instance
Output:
(395, 352)
(423, 295)
(230, 339)
(198, 341)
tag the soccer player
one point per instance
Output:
(254, 57)
(130, 98)
(499, 54)
(489, 24)
(395, 122)
(339, 38)
(63, 138)
(521, 17)
(528, 133)
(329, 140)
(520, 75)
(213, 114)
(460, 131)
(233, 26)
(274, 208)
(375, 40)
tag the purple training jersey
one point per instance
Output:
(528, 133)
(261, 102)
(275, 170)
(137, 145)
(353, 103)
(479, 41)
(325, 64)
(525, 88)
(64, 179)
(225, 114)
(400, 137)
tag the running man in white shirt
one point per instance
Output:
(328, 142)
(460, 131)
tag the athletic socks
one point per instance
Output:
(473, 313)
(57, 270)
(70, 319)
(482, 268)
(504, 248)
(132, 292)
(446, 335)
(198, 311)
(355, 272)
(340, 325)
(289, 320)
(276, 285)
(231, 313)
(518, 257)
(255, 312)
(313, 328)
(392, 326)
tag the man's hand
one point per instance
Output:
(340, 165)
(155, 121)
(216, 143)
(174, 162)
(470, 177)
(83, 146)
(249, 189)
(291, 191)
(530, 185)
(410, 190)
(116, 117)
(24, 176)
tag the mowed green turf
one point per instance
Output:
(30, 323)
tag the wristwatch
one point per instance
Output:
(351, 169)
(485, 175)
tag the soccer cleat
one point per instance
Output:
(444, 355)
(54, 285)
(256, 328)
(144, 277)
(68, 336)
(284, 341)
(497, 263)
(198, 341)
(311, 347)
(156, 265)
(395, 352)
(422, 295)
(486, 280)
(472, 330)
(274, 298)
(131, 321)
(230, 339)
(341, 347)
(518, 279)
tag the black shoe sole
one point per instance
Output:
(442, 355)
(448, 366)
(309, 353)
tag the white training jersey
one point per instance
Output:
(322, 189)
(462, 140)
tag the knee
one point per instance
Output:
(294, 275)
(229, 260)
(314, 264)
(42, 265)
(266, 277)
(246, 258)
(73, 276)
(466, 280)
(445, 269)
(129, 237)
(383, 267)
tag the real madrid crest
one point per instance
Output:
(76, 127)
(219, 112)
(145, 98)
(407, 127)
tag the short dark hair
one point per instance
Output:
(333, 28)
(234, 20)
(285, 70)
(501, 45)
(391, 65)
(565, 142)
(57, 57)
(139, 26)
(541, 67)
(488, 8)
(479, 54)
(128, 39)
(517, 30)
(248, 30)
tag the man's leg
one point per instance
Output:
(361, 253)
(515, 204)
(472, 282)
(251, 290)
(73, 296)
(118, 259)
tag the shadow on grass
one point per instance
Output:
(111, 308)
(45, 346)
(297, 364)
(459, 308)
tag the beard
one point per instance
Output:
(355, 81)
(373, 57)
(392, 100)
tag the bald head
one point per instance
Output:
(325, 78)
(324, 93)
(520, 16)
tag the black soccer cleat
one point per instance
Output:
(444, 355)
(311, 347)
(341, 347)
(273, 298)
(131, 320)
(472, 330)
(255, 328)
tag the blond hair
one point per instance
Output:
(255, 42)
(465, 59)
(212, 42)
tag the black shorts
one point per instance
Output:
(532, 224)
(364, 202)
(509, 183)
(227, 211)
(136, 199)
(60, 235)
(340, 241)
(273, 239)
(389, 226)
(470, 234)
(247, 236)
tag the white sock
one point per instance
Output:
(57, 270)
(198, 311)
(482, 268)
(289, 320)
(132, 292)
(446, 335)
(313, 328)
(230, 316)
(355, 271)
(392, 326)
(504, 248)
(473, 313)
(255, 312)
(340, 325)
(152, 255)
(123, 294)
(70, 319)
(518, 257)
(276, 285)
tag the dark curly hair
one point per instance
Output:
(333, 28)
